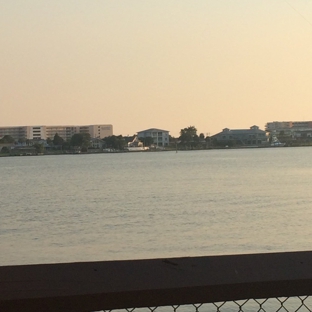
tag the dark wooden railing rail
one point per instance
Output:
(109, 285)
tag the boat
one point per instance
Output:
(136, 146)
(275, 142)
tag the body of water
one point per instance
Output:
(71, 208)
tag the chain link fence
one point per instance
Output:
(280, 304)
(229, 283)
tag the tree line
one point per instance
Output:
(81, 140)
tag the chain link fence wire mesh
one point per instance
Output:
(280, 304)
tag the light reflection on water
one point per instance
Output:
(141, 205)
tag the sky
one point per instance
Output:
(168, 64)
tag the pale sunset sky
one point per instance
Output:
(138, 64)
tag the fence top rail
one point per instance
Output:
(90, 286)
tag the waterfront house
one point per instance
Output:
(97, 143)
(242, 137)
(160, 137)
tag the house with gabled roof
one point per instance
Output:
(244, 137)
(160, 137)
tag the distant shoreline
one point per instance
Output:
(151, 151)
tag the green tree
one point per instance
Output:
(80, 140)
(49, 141)
(57, 140)
(7, 139)
(188, 137)
(39, 147)
(5, 150)
(208, 141)
(115, 142)
(173, 139)
(148, 141)
(66, 146)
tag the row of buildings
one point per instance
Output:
(160, 137)
(251, 136)
(291, 130)
(283, 130)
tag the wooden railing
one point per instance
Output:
(107, 285)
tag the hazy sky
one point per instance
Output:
(167, 64)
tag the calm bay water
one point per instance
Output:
(72, 208)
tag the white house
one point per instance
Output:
(160, 137)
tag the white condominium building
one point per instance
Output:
(289, 128)
(45, 132)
